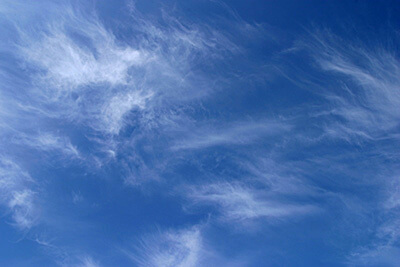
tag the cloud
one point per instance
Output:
(266, 187)
(256, 187)
(238, 202)
(119, 105)
(88, 262)
(128, 91)
(359, 84)
(69, 65)
(23, 209)
(239, 133)
(363, 90)
(378, 256)
(82, 72)
(77, 197)
(17, 195)
(383, 248)
(171, 248)
(48, 142)
(82, 261)
(74, 52)
(63, 255)
(101, 79)
(70, 69)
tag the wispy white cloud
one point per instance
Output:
(119, 105)
(69, 65)
(81, 72)
(81, 68)
(360, 82)
(78, 70)
(81, 261)
(64, 256)
(23, 209)
(378, 256)
(383, 248)
(77, 197)
(261, 188)
(48, 142)
(171, 248)
(240, 133)
(366, 96)
(88, 262)
(17, 195)
(73, 52)
(239, 202)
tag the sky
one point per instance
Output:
(199, 133)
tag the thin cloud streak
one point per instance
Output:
(48, 142)
(237, 202)
(240, 133)
(171, 248)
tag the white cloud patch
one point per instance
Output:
(69, 65)
(74, 53)
(119, 105)
(171, 248)
(102, 79)
(81, 71)
(16, 195)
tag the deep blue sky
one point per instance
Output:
(199, 133)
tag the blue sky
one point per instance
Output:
(199, 133)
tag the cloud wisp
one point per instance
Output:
(240, 133)
(17, 194)
(359, 84)
(237, 202)
(171, 248)
(367, 95)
